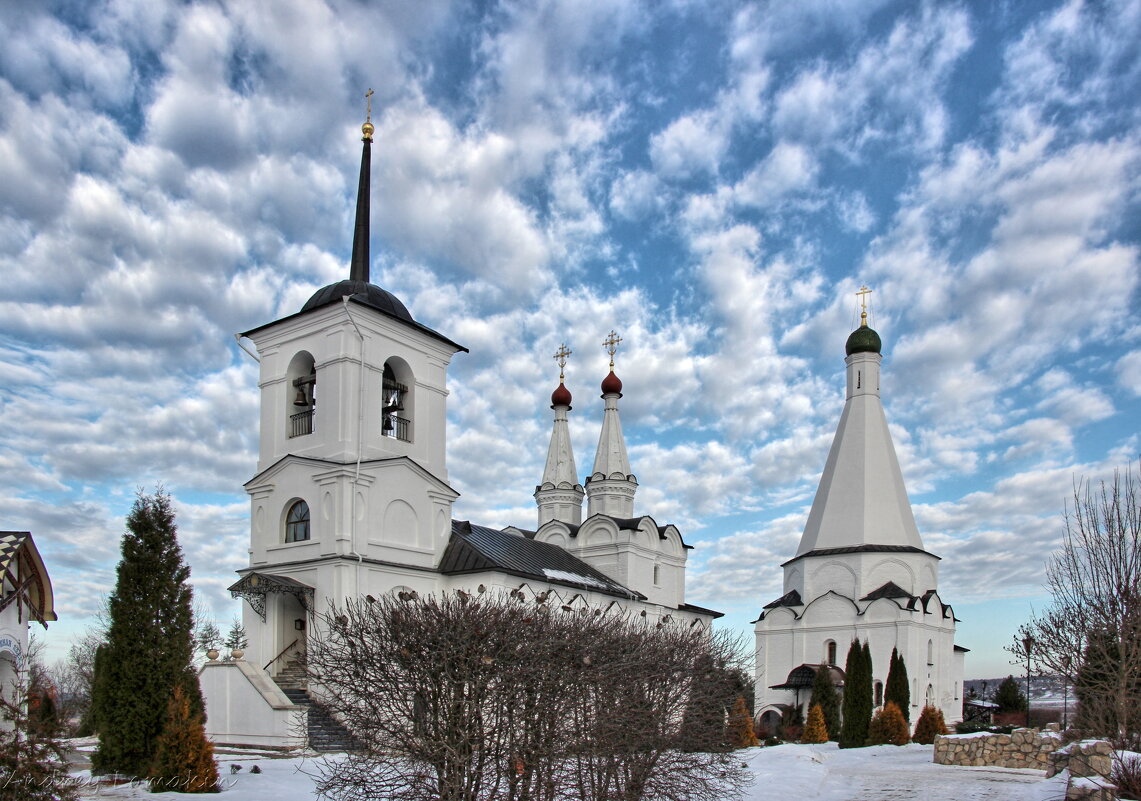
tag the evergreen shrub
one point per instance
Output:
(740, 726)
(888, 726)
(930, 724)
(815, 731)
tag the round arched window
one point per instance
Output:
(297, 522)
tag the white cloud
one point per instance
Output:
(1129, 371)
(693, 144)
(788, 168)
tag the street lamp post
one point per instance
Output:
(1065, 692)
(1028, 645)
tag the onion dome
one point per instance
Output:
(611, 385)
(863, 340)
(561, 396)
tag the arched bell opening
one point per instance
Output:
(301, 392)
(396, 400)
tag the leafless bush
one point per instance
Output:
(463, 698)
(1091, 633)
(1126, 774)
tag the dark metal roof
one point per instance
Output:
(889, 590)
(268, 581)
(700, 610)
(961, 650)
(860, 549)
(365, 294)
(790, 598)
(474, 549)
(805, 675)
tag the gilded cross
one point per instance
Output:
(611, 345)
(561, 357)
(862, 293)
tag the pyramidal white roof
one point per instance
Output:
(861, 499)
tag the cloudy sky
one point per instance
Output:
(713, 180)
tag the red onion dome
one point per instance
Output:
(561, 396)
(611, 385)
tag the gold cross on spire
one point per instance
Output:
(368, 99)
(561, 357)
(611, 345)
(862, 293)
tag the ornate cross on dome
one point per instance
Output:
(611, 345)
(862, 293)
(561, 357)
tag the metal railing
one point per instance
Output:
(301, 423)
(284, 651)
(397, 427)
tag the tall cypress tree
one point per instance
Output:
(896, 688)
(824, 695)
(853, 665)
(868, 700)
(149, 641)
(857, 704)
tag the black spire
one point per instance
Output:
(359, 269)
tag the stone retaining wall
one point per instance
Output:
(1084, 758)
(1022, 748)
(1088, 761)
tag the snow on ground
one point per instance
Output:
(886, 773)
(803, 772)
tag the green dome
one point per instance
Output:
(863, 340)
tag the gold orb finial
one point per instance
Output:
(367, 129)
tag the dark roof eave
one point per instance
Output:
(418, 326)
(700, 610)
(861, 549)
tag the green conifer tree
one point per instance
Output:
(1009, 697)
(857, 703)
(149, 642)
(896, 689)
(824, 696)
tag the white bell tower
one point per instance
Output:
(351, 463)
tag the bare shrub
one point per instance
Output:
(465, 697)
(1091, 633)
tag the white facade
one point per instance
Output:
(861, 572)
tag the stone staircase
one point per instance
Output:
(325, 733)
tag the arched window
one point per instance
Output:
(930, 695)
(830, 652)
(930, 652)
(657, 575)
(297, 522)
(879, 693)
(396, 406)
